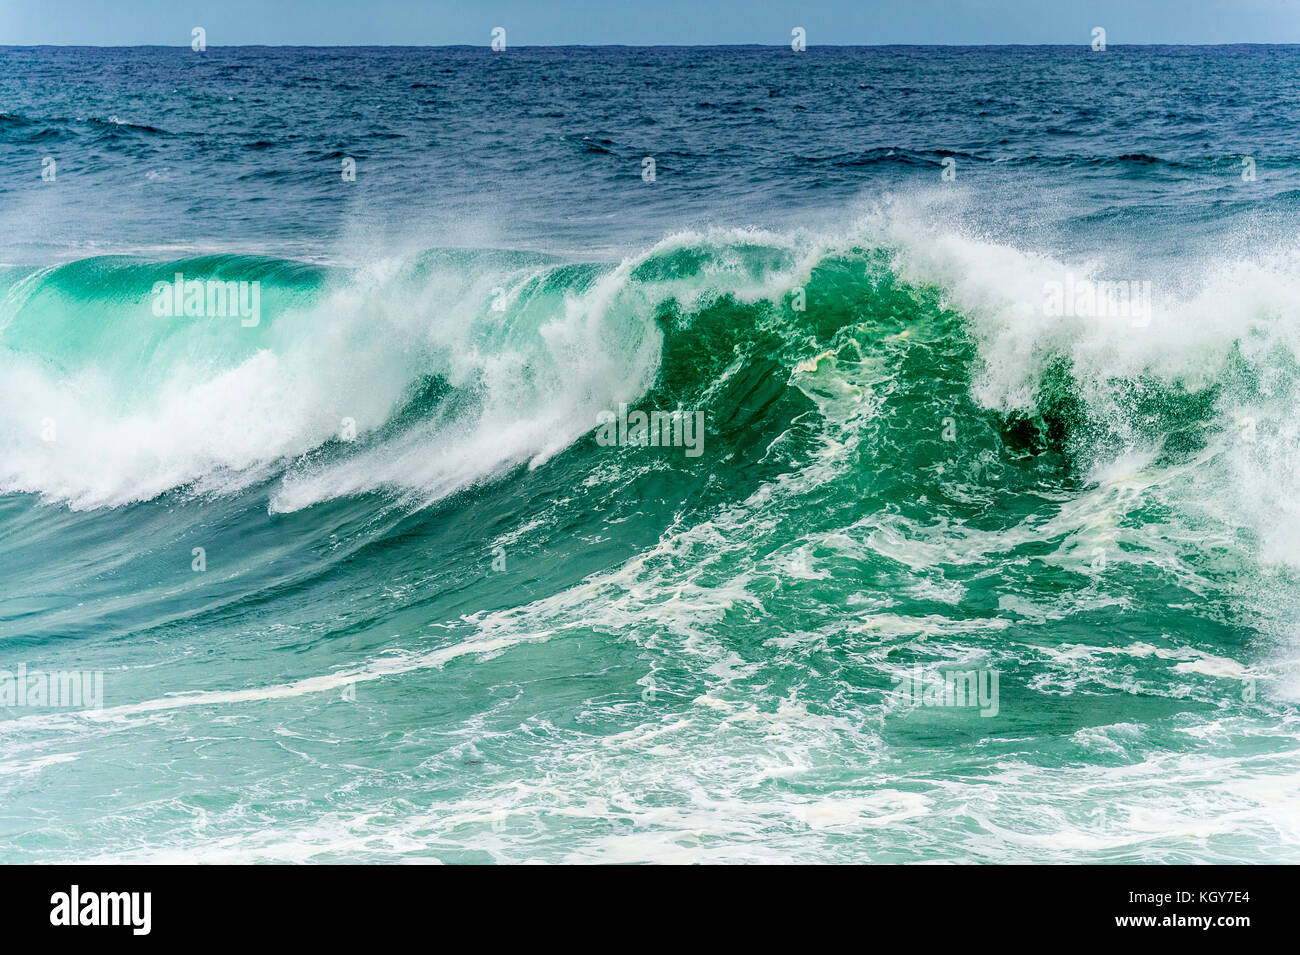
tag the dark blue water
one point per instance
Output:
(241, 148)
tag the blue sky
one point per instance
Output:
(556, 22)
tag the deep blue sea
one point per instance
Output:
(321, 484)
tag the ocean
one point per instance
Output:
(614, 454)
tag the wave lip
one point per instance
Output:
(104, 403)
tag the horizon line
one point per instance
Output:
(626, 46)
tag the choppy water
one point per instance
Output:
(441, 619)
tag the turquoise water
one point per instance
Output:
(364, 583)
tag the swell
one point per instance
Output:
(431, 374)
(426, 378)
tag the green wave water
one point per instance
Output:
(438, 619)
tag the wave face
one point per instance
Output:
(366, 580)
